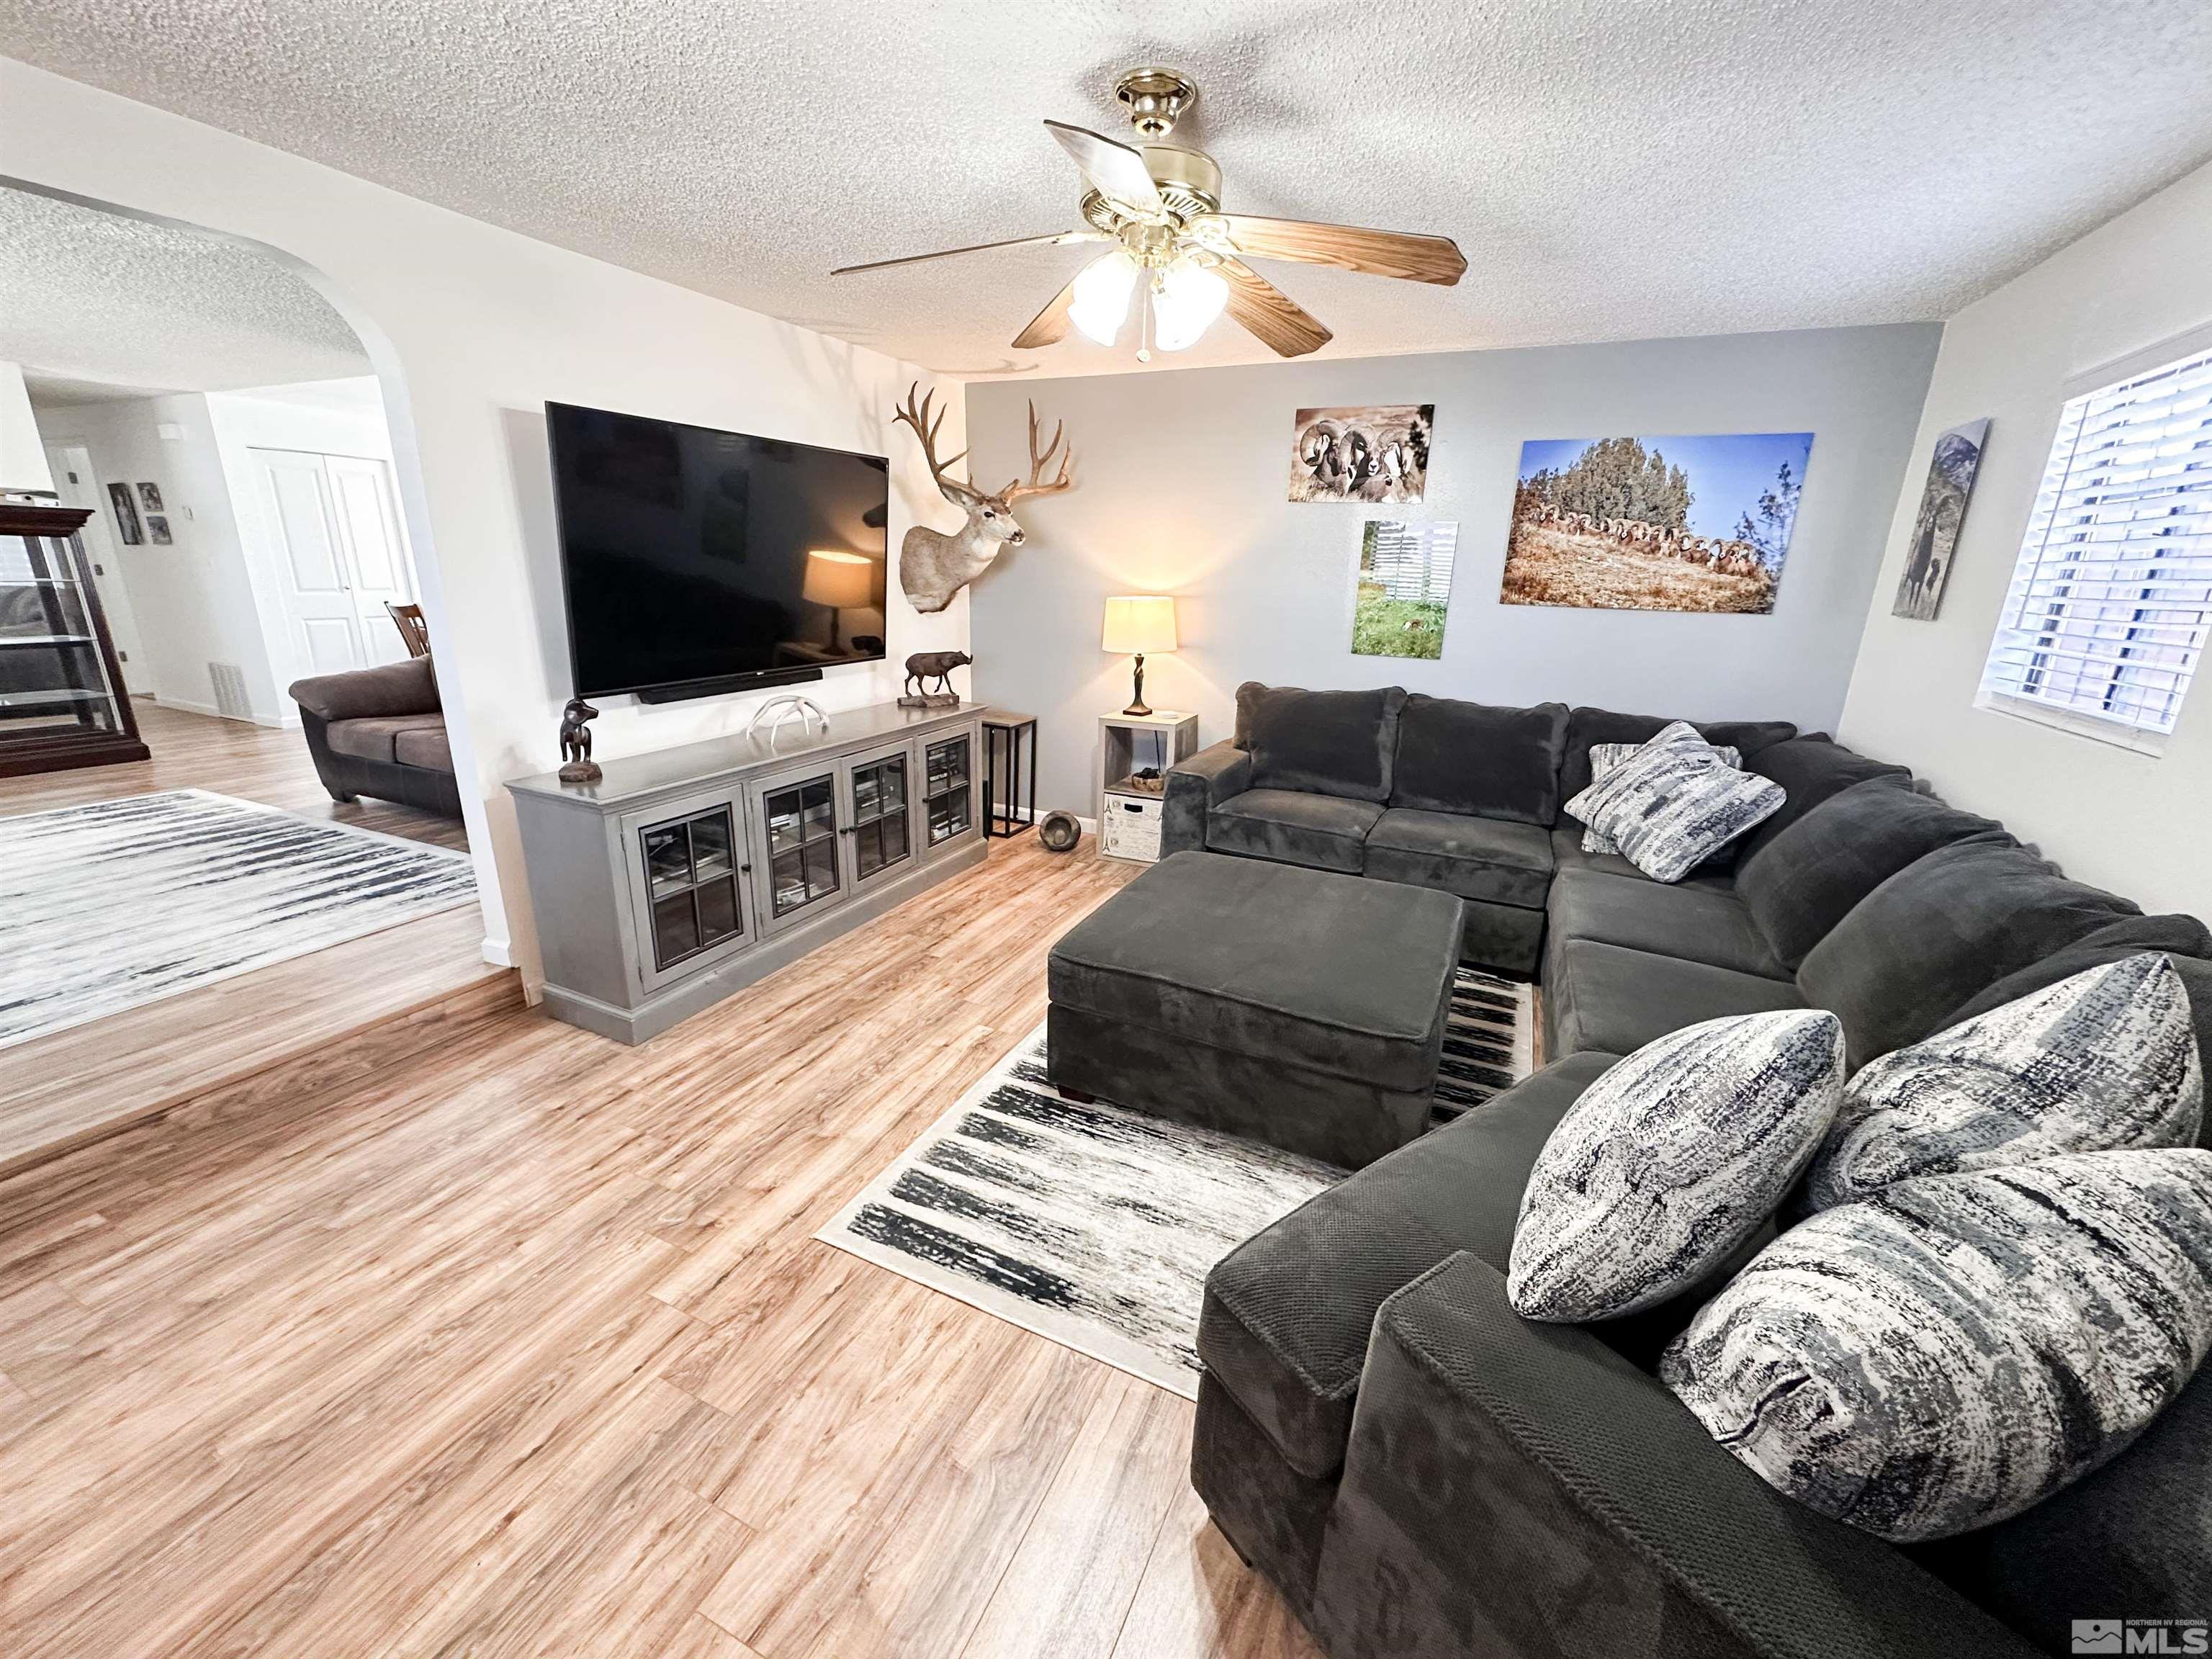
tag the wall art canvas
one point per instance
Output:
(1378, 455)
(1951, 468)
(1404, 588)
(126, 514)
(150, 494)
(1692, 523)
(157, 529)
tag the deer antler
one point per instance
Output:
(925, 429)
(1036, 486)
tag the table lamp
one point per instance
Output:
(842, 580)
(1136, 623)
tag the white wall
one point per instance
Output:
(194, 600)
(22, 461)
(472, 329)
(1182, 487)
(2140, 825)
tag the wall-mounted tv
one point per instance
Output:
(695, 562)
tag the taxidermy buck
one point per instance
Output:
(934, 565)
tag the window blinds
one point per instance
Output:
(2108, 610)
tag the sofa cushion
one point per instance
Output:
(424, 745)
(1327, 972)
(408, 687)
(1615, 1000)
(1471, 757)
(1476, 858)
(377, 738)
(1809, 878)
(1588, 726)
(1809, 769)
(1698, 923)
(1672, 1160)
(2104, 1060)
(1946, 927)
(1327, 743)
(1323, 832)
(1567, 854)
(1951, 1354)
(1287, 1313)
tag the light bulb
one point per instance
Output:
(1186, 300)
(1101, 303)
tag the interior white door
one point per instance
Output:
(375, 549)
(78, 485)
(341, 557)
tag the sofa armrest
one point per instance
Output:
(1195, 787)
(389, 690)
(1518, 1487)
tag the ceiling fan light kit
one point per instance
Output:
(1160, 204)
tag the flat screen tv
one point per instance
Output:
(695, 562)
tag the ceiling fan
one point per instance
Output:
(1160, 204)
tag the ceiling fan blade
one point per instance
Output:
(1114, 169)
(1377, 252)
(1270, 314)
(1049, 327)
(978, 247)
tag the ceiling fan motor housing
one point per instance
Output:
(1189, 182)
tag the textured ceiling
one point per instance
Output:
(1613, 168)
(90, 299)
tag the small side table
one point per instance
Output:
(1004, 728)
(1129, 812)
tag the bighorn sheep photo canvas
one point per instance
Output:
(1951, 468)
(1378, 455)
(1655, 524)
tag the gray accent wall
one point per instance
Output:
(1180, 483)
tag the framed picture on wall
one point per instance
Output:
(157, 529)
(1403, 589)
(1951, 468)
(126, 514)
(1378, 453)
(1697, 523)
(150, 496)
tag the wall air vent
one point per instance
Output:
(230, 700)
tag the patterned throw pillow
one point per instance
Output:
(1953, 1352)
(2105, 1060)
(1671, 1160)
(1672, 804)
(1604, 756)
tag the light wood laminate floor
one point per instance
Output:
(76, 1085)
(529, 1352)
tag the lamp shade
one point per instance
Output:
(1139, 623)
(834, 577)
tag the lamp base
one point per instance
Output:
(1137, 691)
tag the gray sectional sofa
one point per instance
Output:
(1422, 1472)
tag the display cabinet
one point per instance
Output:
(62, 702)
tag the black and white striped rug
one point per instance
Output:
(114, 904)
(1096, 1226)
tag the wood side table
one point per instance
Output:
(1128, 811)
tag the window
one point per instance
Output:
(2107, 612)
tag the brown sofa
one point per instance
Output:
(380, 732)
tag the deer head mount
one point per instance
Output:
(933, 566)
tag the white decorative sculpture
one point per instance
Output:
(933, 566)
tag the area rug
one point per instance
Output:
(114, 904)
(1095, 1226)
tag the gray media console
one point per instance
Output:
(683, 876)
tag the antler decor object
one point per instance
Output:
(933, 565)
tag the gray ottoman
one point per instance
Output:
(1296, 1006)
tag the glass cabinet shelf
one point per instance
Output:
(881, 836)
(692, 882)
(946, 790)
(801, 822)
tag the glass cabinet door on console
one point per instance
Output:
(948, 790)
(799, 869)
(690, 880)
(881, 828)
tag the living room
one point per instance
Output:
(1507, 962)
